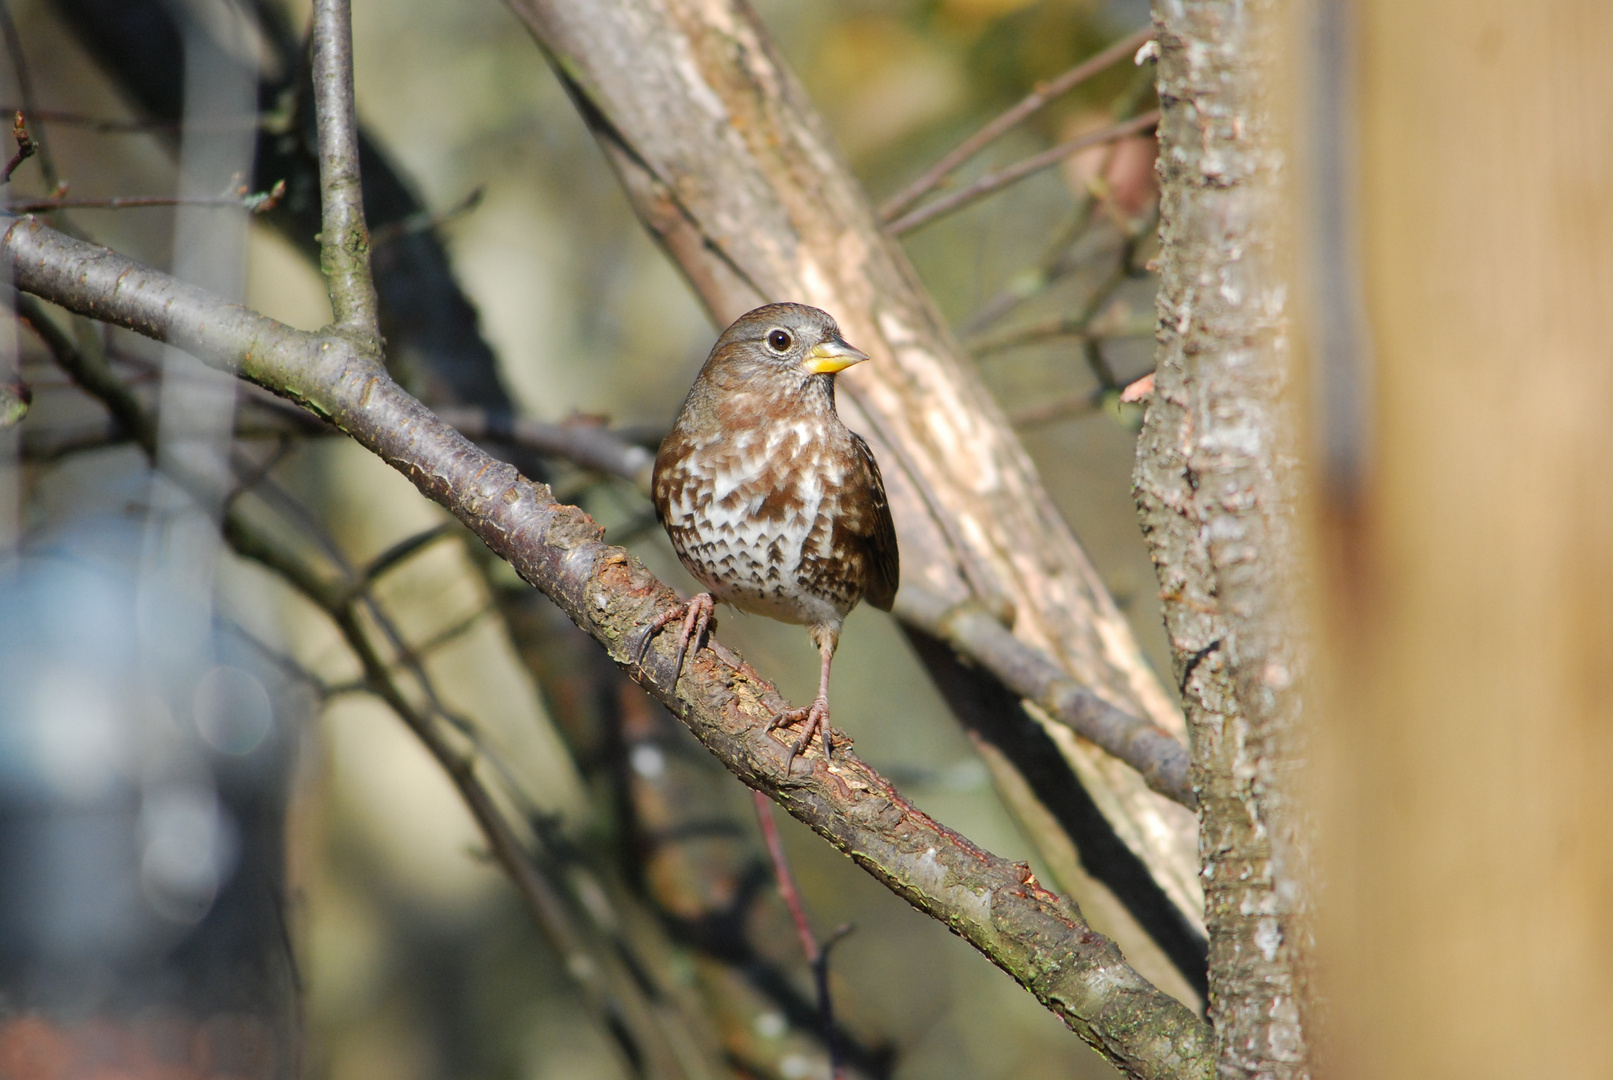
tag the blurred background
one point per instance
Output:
(283, 879)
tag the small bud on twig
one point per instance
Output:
(26, 148)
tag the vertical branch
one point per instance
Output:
(344, 241)
(1212, 482)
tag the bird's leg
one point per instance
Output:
(816, 715)
(696, 615)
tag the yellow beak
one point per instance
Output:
(828, 357)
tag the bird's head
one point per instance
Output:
(792, 341)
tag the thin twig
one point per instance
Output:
(1060, 258)
(1051, 330)
(1044, 93)
(344, 242)
(1151, 750)
(996, 181)
(1069, 408)
(255, 202)
(816, 956)
(26, 148)
(1080, 325)
(1063, 256)
(425, 220)
(104, 125)
(25, 87)
(588, 445)
(404, 550)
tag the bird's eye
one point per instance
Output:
(779, 340)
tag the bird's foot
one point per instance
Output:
(816, 716)
(696, 615)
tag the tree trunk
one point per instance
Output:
(1213, 486)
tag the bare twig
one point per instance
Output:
(26, 148)
(422, 220)
(1069, 408)
(1001, 178)
(344, 253)
(403, 551)
(1083, 324)
(588, 445)
(1044, 93)
(996, 905)
(105, 125)
(817, 957)
(1063, 256)
(25, 87)
(1074, 328)
(255, 202)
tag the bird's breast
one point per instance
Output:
(752, 514)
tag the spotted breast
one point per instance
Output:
(771, 502)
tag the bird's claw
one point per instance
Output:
(696, 614)
(816, 716)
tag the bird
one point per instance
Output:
(771, 502)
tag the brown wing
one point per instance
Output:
(884, 564)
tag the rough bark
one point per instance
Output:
(1213, 487)
(1038, 938)
(728, 164)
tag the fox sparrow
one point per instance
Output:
(771, 502)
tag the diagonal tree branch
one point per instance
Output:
(1037, 937)
(729, 165)
(974, 633)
